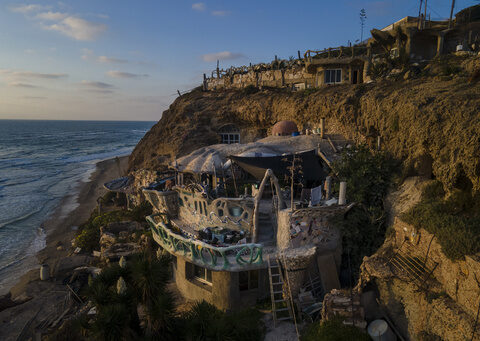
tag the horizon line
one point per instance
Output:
(70, 120)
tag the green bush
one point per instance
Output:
(205, 322)
(146, 279)
(250, 89)
(117, 315)
(368, 175)
(89, 232)
(333, 330)
(454, 220)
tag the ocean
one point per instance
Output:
(40, 163)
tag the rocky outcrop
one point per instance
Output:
(444, 303)
(341, 304)
(432, 121)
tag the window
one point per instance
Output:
(229, 134)
(333, 76)
(248, 280)
(230, 138)
(202, 274)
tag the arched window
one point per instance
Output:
(229, 134)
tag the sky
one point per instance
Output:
(126, 59)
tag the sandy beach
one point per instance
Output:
(41, 298)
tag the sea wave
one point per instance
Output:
(21, 218)
(99, 156)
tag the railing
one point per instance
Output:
(232, 258)
(336, 52)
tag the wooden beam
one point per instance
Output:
(332, 145)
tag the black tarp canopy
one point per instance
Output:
(311, 165)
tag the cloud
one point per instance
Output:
(199, 6)
(51, 16)
(100, 87)
(220, 13)
(120, 74)
(111, 60)
(87, 54)
(30, 74)
(225, 55)
(27, 8)
(22, 85)
(77, 28)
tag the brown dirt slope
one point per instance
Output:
(432, 121)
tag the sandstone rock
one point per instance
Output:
(116, 251)
(123, 234)
(107, 239)
(68, 264)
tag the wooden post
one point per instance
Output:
(419, 26)
(233, 176)
(291, 185)
(451, 14)
(299, 56)
(425, 15)
(332, 145)
(328, 187)
(342, 200)
(379, 141)
(205, 86)
(322, 128)
(218, 68)
(179, 94)
(258, 197)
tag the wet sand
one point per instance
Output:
(45, 297)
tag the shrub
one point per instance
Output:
(205, 322)
(333, 330)
(89, 233)
(454, 220)
(368, 175)
(117, 315)
(250, 89)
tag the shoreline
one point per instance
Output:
(32, 295)
(59, 227)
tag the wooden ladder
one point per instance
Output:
(281, 307)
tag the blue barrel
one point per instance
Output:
(295, 133)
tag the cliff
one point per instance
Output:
(426, 115)
(426, 295)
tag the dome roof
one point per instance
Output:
(283, 128)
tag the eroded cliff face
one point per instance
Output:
(431, 122)
(442, 303)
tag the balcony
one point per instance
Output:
(239, 257)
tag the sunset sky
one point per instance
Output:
(125, 59)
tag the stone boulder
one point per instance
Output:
(116, 251)
(107, 239)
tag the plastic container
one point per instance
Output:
(380, 331)
(44, 272)
(295, 133)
